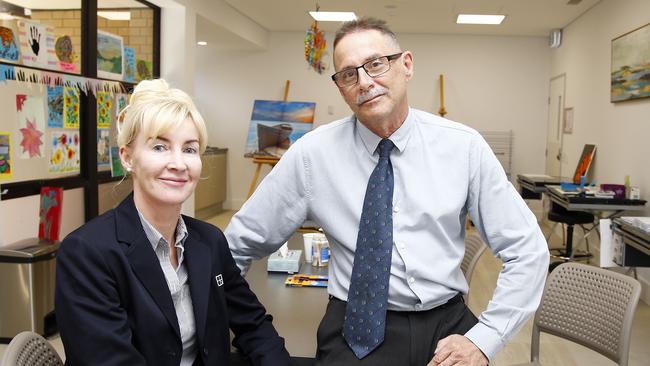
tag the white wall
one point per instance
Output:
(491, 83)
(620, 131)
(19, 217)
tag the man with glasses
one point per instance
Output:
(392, 186)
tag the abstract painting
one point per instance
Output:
(37, 44)
(55, 107)
(49, 223)
(64, 50)
(144, 70)
(5, 155)
(31, 124)
(65, 152)
(630, 78)
(129, 64)
(109, 55)
(70, 107)
(103, 147)
(275, 125)
(9, 44)
(104, 109)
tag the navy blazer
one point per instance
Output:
(113, 306)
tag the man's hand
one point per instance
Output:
(458, 350)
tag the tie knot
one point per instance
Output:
(385, 146)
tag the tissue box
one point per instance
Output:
(288, 264)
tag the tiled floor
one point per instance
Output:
(554, 351)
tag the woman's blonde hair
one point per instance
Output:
(155, 109)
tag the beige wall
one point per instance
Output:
(619, 130)
(491, 83)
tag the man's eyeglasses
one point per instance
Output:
(373, 68)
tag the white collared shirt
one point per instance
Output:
(442, 170)
(177, 282)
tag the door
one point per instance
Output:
(554, 126)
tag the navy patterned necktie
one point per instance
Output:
(365, 314)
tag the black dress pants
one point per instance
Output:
(410, 338)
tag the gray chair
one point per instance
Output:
(30, 349)
(591, 306)
(474, 248)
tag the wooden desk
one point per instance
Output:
(297, 311)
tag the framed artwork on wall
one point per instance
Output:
(630, 73)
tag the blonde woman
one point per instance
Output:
(143, 284)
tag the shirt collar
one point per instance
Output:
(155, 236)
(400, 137)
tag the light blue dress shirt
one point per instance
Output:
(443, 171)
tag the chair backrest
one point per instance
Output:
(474, 248)
(588, 305)
(30, 349)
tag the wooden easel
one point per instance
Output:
(265, 159)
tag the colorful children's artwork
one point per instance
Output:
(103, 147)
(276, 125)
(70, 107)
(65, 54)
(582, 169)
(129, 64)
(65, 152)
(121, 101)
(109, 55)
(37, 44)
(104, 109)
(31, 124)
(9, 44)
(55, 107)
(49, 223)
(5, 155)
(144, 70)
(116, 164)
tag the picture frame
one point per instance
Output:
(630, 66)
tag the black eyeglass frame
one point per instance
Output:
(388, 57)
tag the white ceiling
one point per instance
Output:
(523, 17)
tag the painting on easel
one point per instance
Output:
(275, 125)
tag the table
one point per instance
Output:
(533, 185)
(297, 311)
(573, 201)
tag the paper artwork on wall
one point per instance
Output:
(64, 50)
(5, 155)
(31, 124)
(144, 70)
(104, 109)
(109, 55)
(9, 44)
(630, 74)
(116, 165)
(275, 125)
(55, 107)
(37, 44)
(103, 147)
(49, 223)
(129, 64)
(70, 107)
(65, 152)
(121, 101)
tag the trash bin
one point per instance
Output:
(27, 270)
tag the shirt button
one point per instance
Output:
(395, 209)
(205, 351)
(418, 306)
(411, 280)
